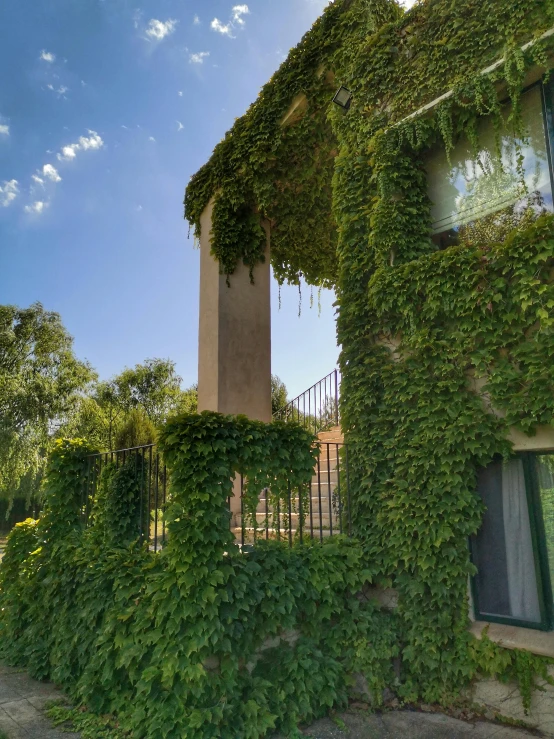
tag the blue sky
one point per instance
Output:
(107, 107)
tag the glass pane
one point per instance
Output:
(545, 474)
(479, 198)
(506, 579)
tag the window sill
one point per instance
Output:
(517, 637)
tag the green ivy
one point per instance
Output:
(418, 328)
(279, 159)
(528, 670)
(88, 725)
(176, 643)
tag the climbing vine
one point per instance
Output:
(201, 639)
(278, 160)
(420, 330)
(180, 639)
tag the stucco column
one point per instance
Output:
(234, 357)
(234, 351)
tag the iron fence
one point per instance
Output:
(316, 409)
(315, 511)
(147, 477)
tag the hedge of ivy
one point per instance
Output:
(201, 640)
(346, 197)
(176, 643)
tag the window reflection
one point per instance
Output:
(545, 475)
(480, 198)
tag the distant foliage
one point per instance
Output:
(188, 402)
(137, 430)
(278, 394)
(40, 381)
(130, 405)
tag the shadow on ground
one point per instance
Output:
(411, 725)
(22, 702)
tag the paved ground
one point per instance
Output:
(22, 716)
(411, 725)
(21, 707)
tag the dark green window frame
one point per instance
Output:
(540, 554)
(547, 90)
(534, 503)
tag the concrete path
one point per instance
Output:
(411, 725)
(22, 716)
(22, 707)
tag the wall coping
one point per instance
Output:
(516, 637)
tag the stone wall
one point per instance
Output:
(505, 699)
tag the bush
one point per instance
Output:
(176, 643)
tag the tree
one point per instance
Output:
(153, 386)
(40, 383)
(278, 394)
(189, 400)
(131, 406)
(136, 430)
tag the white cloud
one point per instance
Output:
(37, 179)
(8, 192)
(225, 29)
(179, 125)
(238, 11)
(47, 56)
(61, 90)
(151, 138)
(159, 30)
(196, 20)
(4, 129)
(69, 152)
(37, 207)
(51, 173)
(199, 57)
(180, 93)
(94, 141)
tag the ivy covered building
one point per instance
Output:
(428, 207)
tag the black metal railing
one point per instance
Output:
(316, 511)
(147, 474)
(316, 409)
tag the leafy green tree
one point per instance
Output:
(189, 400)
(131, 406)
(153, 386)
(278, 394)
(136, 430)
(40, 383)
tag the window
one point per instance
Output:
(481, 197)
(514, 549)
